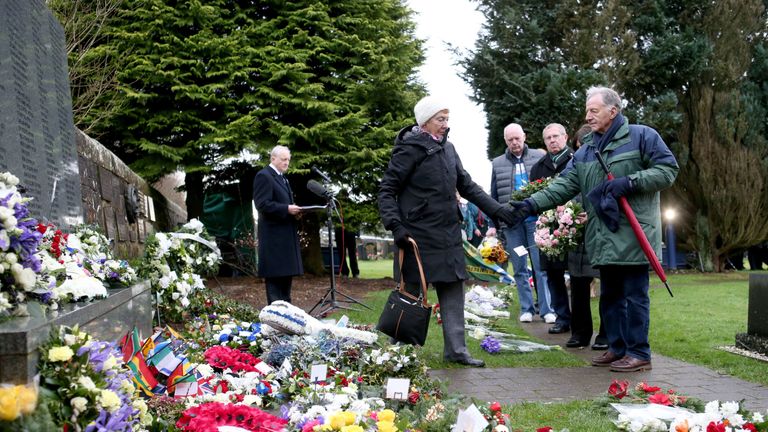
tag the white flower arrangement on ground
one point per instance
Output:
(175, 264)
(482, 302)
(716, 416)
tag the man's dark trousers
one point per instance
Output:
(625, 309)
(278, 288)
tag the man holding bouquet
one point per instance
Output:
(642, 165)
(553, 163)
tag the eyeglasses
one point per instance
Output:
(552, 137)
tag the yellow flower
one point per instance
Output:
(386, 415)
(352, 428)
(9, 409)
(386, 426)
(26, 398)
(341, 419)
(62, 353)
(109, 400)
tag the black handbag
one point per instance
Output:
(405, 317)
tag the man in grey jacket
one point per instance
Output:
(511, 171)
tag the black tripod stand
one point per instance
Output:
(329, 301)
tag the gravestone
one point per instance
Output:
(37, 141)
(756, 337)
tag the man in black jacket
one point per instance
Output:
(279, 251)
(554, 162)
(417, 199)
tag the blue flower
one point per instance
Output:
(490, 344)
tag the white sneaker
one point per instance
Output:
(526, 317)
(550, 318)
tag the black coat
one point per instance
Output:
(418, 190)
(542, 169)
(279, 251)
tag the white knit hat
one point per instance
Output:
(427, 107)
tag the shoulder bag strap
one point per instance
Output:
(423, 279)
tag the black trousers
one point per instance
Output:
(558, 296)
(278, 288)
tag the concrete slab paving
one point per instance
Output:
(516, 385)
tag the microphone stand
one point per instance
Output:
(329, 302)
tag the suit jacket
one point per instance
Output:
(279, 251)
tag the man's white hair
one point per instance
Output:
(277, 150)
(610, 96)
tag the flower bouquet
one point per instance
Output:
(531, 188)
(492, 251)
(19, 242)
(560, 230)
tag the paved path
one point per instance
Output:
(513, 385)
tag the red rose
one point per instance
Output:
(618, 389)
(749, 426)
(413, 397)
(495, 407)
(544, 429)
(660, 399)
(712, 427)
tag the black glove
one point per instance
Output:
(516, 212)
(401, 236)
(619, 187)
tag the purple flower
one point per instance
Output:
(490, 344)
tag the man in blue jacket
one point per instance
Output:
(642, 165)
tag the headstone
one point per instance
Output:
(36, 127)
(756, 338)
(106, 320)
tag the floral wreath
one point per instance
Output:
(208, 417)
(224, 357)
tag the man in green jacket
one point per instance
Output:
(642, 165)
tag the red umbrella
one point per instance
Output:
(638, 230)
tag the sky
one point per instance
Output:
(456, 22)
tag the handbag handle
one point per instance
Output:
(401, 285)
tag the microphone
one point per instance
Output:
(317, 171)
(318, 189)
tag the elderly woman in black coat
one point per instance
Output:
(417, 199)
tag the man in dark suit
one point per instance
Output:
(279, 251)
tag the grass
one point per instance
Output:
(582, 416)
(375, 269)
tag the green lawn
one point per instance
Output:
(375, 269)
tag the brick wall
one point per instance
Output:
(105, 180)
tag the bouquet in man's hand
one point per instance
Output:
(492, 251)
(560, 230)
(531, 188)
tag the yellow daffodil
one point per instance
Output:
(352, 428)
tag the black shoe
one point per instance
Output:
(468, 361)
(559, 328)
(576, 343)
(600, 345)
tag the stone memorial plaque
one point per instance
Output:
(37, 135)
